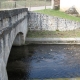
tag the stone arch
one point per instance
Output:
(17, 40)
(16, 37)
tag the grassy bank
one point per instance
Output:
(59, 14)
(53, 34)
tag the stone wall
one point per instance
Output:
(39, 21)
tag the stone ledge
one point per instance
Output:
(53, 40)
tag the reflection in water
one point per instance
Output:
(44, 62)
(17, 67)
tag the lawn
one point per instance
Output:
(59, 14)
(53, 34)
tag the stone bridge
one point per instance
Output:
(13, 30)
(14, 25)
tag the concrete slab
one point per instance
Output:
(53, 40)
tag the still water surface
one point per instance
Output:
(44, 62)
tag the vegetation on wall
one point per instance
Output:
(52, 34)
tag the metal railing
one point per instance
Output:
(22, 4)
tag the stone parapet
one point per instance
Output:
(10, 17)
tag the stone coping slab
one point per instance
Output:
(53, 40)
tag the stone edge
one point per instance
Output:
(52, 41)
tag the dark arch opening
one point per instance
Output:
(19, 40)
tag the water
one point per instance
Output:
(44, 62)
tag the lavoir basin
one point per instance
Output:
(44, 62)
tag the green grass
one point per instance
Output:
(59, 14)
(53, 34)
